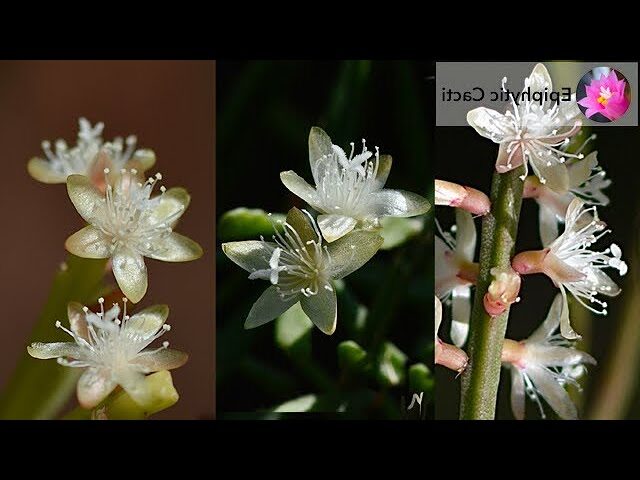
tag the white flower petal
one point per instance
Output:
(604, 284)
(352, 251)
(565, 322)
(148, 321)
(550, 323)
(539, 80)
(88, 200)
(45, 351)
(89, 242)
(335, 226)
(557, 356)
(301, 223)
(490, 124)
(548, 225)
(384, 167)
(554, 176)
(268, 307)
(252, 255)
(517, 394)
(77, 319)
(42, 171)
(555, 395)
(170, 207)
(143, 157)
(299, 187)
(397, 203)
(130, 272)
(446, 273)
(319, 146)
(460, 314)
(322, 309)
(580, 171)
(508, 160)
(466, 235)
(437, 314)
(164, 359)
(175, 248)
(94, 385)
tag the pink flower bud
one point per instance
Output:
(529, 262)
(502, 292)
(450, 356)
(467, 198)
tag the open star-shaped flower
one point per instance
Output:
(529, 133)
(349, 190)
(455, 272)
(113, 350)
(127, 223)
(542, 365)
(586, 181)
(571, 264)
(83, 158)
(606, 95)
(301, 268)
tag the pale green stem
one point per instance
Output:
(39, 389)
(499, 229)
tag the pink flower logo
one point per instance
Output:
(606, 96)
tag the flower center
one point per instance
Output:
(108, 342)
(605, 95)
(345, 183)
(131, 218)
(297, 266)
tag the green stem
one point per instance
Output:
(39, 389)
(499, 229)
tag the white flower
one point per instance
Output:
(542, 365)
(571, 264)
(455, 272)
(127, 224)
(530, 132)
(113, 350)
(349, 190)
(301, 269)
(586, 181)
(83, 158)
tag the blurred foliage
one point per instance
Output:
(242, 223)
(384, 339)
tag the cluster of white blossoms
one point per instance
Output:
(126, 222)
(83, 159)
(306, 255)
(568, 187)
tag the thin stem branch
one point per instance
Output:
(499, 229)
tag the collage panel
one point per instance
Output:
(535, 264)
(324, 240)
(102, 158)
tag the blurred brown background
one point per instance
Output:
(170, 106)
